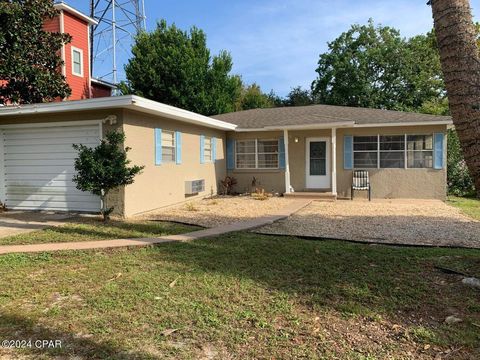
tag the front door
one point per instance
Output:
(318, 163)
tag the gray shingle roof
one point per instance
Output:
(319, 114)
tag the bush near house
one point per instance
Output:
(104, 168)
(460, 183)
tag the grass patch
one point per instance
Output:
(243, 296)
(469, 206)
(93, 229)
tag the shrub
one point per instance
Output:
(460, 183)
(104, 168)
(190, 207)
(227, 185)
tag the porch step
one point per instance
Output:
(313, 195)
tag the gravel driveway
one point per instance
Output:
(414, 222)
(218, 211)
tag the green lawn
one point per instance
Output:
(93, 229)
(469, 206)
(243, 296)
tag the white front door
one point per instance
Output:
(318, 163)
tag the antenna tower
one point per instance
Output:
(111, 40)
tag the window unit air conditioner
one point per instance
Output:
(194, 186)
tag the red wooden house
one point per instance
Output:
(76, 54)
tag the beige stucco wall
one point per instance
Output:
(386, 183)
(394, 183)
(164, 185)
(271, 180)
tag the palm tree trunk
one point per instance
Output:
(460, 59)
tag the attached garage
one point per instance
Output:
(37, 165)
(37, 157)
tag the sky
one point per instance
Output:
(277, 43)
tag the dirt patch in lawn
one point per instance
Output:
(412, 222)
(218, 211)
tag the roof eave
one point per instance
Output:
(79, 14)
(406, 123)
(119, 102)
(150, 106)
(344, 124)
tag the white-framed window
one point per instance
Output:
(365, 151)
(393, 151)
(256, 154)
(207, 149)
(77, 61)
(420, 151)
(168, 146)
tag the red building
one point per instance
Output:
(76, 54)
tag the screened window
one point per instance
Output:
(267, 154)
(168, 146)
(420, 151)
(207, 149)
(365, 151)
(392, 151)
(256, 154)
(77, 65)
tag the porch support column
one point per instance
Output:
(287, 162)
(334, 161)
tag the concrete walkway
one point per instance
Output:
(21, 222)
(105, 244)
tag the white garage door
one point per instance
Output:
(38, 166)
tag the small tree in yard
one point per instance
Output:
(103, 168)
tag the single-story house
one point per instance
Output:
(289, 149)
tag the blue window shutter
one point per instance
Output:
(178, 147)
(230, 154)
(202, 149)
(348, 152)
(214, 149)
(158, 146)
(281, 153)
(439, 139)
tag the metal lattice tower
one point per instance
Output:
(111, 40)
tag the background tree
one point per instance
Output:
(373, 66)
(252, 97)
(104, 168)
(29, 56)
(460, 59)
(298, 97)
(175, 67)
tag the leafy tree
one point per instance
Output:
(460, 183)
(103, 168)
(373, 66)
(298, 97)
(252, 97)
(175, 67)
(275, 100)
(29, 55)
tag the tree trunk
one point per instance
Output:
(460, 59)
(104, 211)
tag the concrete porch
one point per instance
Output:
(312, 195)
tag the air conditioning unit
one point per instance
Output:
(194, 186)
